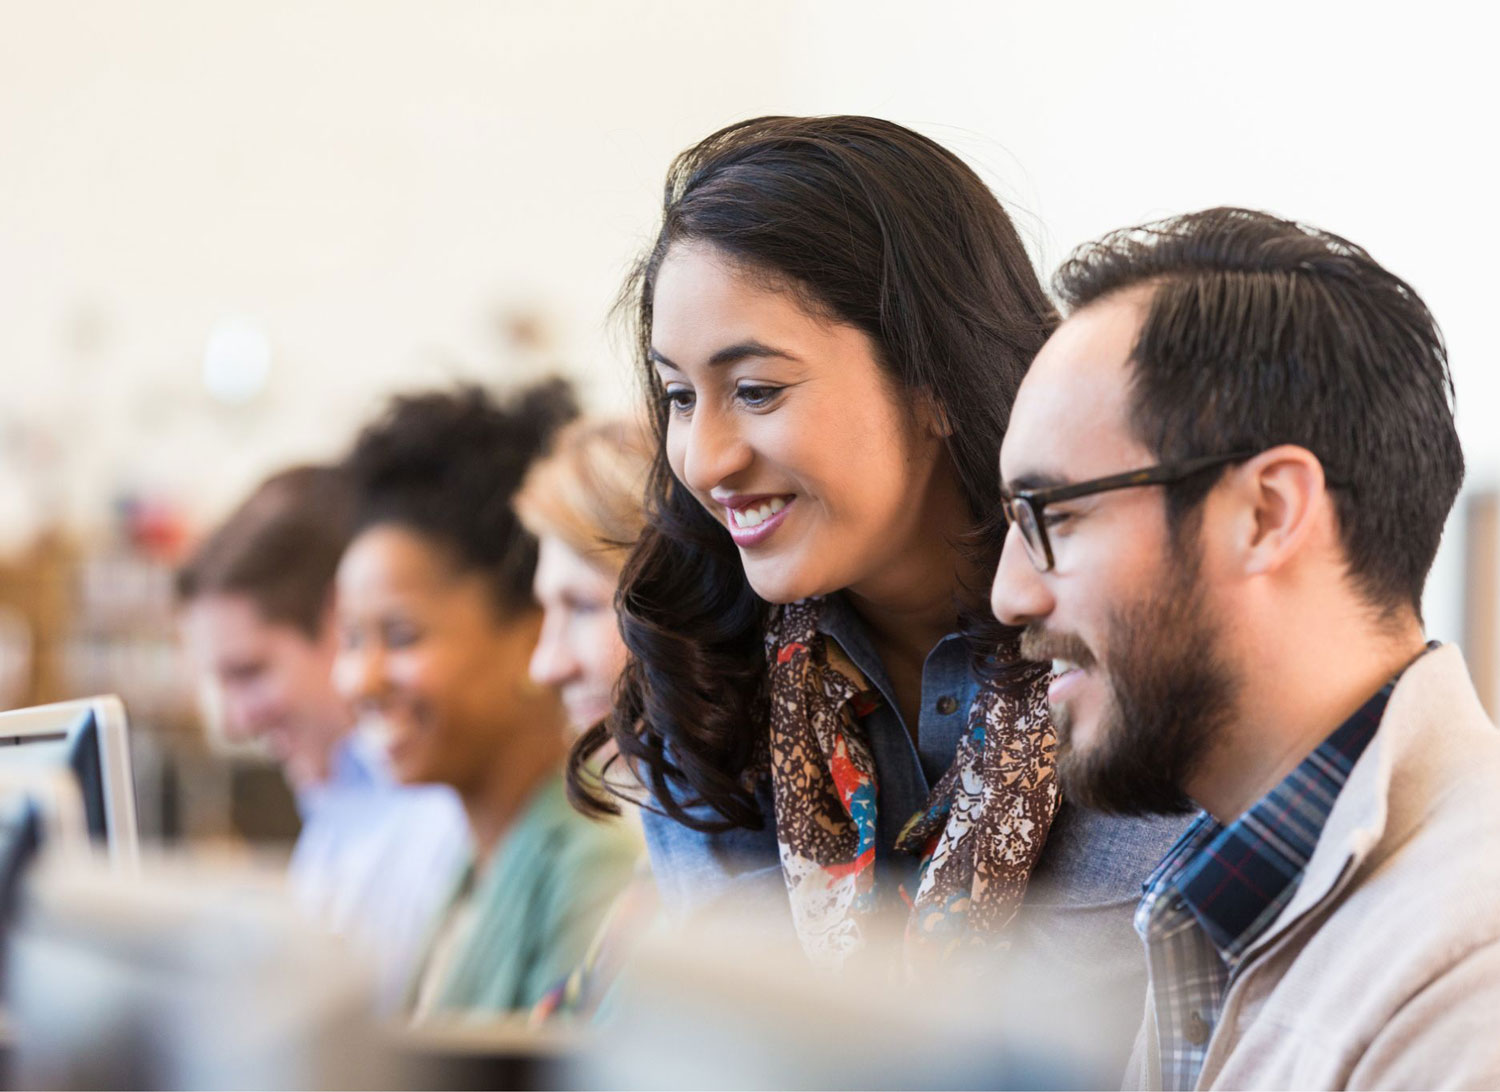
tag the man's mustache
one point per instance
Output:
(1042, 646)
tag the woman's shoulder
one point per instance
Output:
(1094, 858)
(580, 860)
(568, 833)
(693, 867)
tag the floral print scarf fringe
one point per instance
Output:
(979, 836)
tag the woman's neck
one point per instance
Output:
(914, 603)
(494, 802)
(907, 630)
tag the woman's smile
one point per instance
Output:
(751, 519)
(865, 501)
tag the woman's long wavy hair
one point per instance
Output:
(872, 225)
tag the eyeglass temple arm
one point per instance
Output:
(1153, 475)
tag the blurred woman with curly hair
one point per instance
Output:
(438, 624)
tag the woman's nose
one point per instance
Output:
(715, 451)
(552, 662)
(359, 673)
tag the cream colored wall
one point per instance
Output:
(376, 184)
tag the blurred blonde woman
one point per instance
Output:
(583, 501)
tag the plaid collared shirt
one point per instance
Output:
(1221, 887)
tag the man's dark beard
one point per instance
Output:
(1170, 700)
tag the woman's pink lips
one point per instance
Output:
(745, 537)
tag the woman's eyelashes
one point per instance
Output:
(399, 633)
(755, 396)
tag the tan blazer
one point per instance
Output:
(1384, 969)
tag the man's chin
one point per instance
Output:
(1109, 783)
(1077, 731)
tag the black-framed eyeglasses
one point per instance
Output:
(1025, 507)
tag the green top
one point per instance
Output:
(510, 933)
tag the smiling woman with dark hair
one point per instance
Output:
(833, 322)
(438, 624)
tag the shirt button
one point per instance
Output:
(946, 704)
(1196, 1029)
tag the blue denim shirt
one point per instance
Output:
(694, 869)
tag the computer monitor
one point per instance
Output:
(89, 740)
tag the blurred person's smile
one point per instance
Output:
(431, 667)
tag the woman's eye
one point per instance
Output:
(756, 395)
(401, 635)
(679, 400)
(1054, 519)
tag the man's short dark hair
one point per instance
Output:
(1263, 331)
(279, 548)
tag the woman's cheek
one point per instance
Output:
(410, 672)
(676, 446)
(600, 639)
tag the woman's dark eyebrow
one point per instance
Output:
(730, 354)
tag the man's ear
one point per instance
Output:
(1283, 501)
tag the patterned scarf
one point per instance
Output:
(979, 836)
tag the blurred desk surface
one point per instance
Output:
(484, 1054)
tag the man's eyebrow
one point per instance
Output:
(1035, 480)
(730, 354)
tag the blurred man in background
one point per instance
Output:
(373, 859)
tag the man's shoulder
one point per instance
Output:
(1440, 755)
(1417, 860)
(1436, 710)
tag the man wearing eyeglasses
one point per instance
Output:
(1226, 475)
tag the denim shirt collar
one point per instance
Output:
(842, 622)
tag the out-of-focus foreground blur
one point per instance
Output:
(229, 231)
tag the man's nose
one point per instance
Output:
(1020, 594)
(239, 713)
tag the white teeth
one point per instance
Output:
(754, 517)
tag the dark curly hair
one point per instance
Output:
(875, 226)
(446, 464)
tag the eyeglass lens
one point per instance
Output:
(1031, 534)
